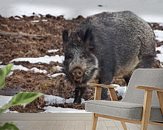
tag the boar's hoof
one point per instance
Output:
(77, 100)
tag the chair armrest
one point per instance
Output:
(98, 88)
(149, 88)
(102, 85)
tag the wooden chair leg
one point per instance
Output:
(146, 109)
(97, 95)
(160, 98)
(94, 121)
(124, 125)
(113, 94)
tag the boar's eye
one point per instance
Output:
(91, 48)
(69, 56)
(84, 55)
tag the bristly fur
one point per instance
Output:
(108, 44)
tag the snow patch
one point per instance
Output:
(59, 68)
(17, 18)
(46, 59)
(36, 70)
(161, 24)
(50, 100)
(152, 18)
(160, 48)
(121, 90)
(20, 67)
(8, 111)
(2, 66)
(4, 100)
(159, 35)
(62, 110)
(56, 74)
(160, 56)
(53, 50)
(71, 100)
(44, 20)
(36, 21)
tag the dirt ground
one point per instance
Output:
(33, 36)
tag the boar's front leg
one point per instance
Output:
(79, 91)
(76, 98)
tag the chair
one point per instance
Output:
(142, 103)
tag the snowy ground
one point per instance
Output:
(54, 99)
(159, 37)
(151, 11)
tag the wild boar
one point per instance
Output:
(106, 45)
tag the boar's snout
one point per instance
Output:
(77, 74)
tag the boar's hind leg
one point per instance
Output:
(127, 78)
(146, 62)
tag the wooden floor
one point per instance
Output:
(66, 125)
(58, 121)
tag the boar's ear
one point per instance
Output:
(88, 39)
(88, 35)
(65, 36)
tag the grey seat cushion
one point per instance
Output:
(125, 110)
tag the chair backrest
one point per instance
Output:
(144, 77)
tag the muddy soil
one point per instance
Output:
(33, 36)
